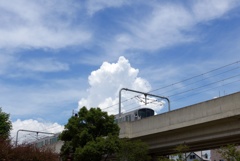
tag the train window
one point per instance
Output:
(121, 119)
(149, 112)
(135, 116)
(46, 142)
(142, 113)
(128, 118)
(53, 140)
(40, 144)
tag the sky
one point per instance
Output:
(57, 56)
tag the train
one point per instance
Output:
(135, 115)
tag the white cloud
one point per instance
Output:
(40, 24)
(33, 125)
(95, 6)
(168, 24)
(106, 82)
(11, 65)
(43, 65)
(205, 10)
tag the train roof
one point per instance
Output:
(127, 113)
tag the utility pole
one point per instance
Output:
(145, 94)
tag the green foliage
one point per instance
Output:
(89, 135)
(95, 150)
(93, 136)
(164, 159)
(182, 148)
(132, 151)
(181, 151)
(230, 152)
(5, 124)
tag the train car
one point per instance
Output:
(134, 115)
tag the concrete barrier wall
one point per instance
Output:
(211, 110)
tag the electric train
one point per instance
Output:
(134, 115)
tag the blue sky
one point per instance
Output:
(57, 55)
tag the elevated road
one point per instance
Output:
(201, 126)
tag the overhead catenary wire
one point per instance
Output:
(200, 80)
(184, 80)
(118, 103)
(205, 90)
(204, 85)
(174, 100)
(25, 138)
(216, 69)
(136, 107)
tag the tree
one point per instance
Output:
(230, 152)
(133, 150)
(90, 135)
(99, 149)
(25, 152)
(5, 124)
(181, 152)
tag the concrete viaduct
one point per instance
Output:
(202, 126)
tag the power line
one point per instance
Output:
(200, 80)
(136, 107)
(204, 85)
(160, 104)
(205, 90)
(118, 103)
(195, 76)
(216, 69)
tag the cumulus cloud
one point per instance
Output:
(106, 82)
(40, 24)
(33, 125)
